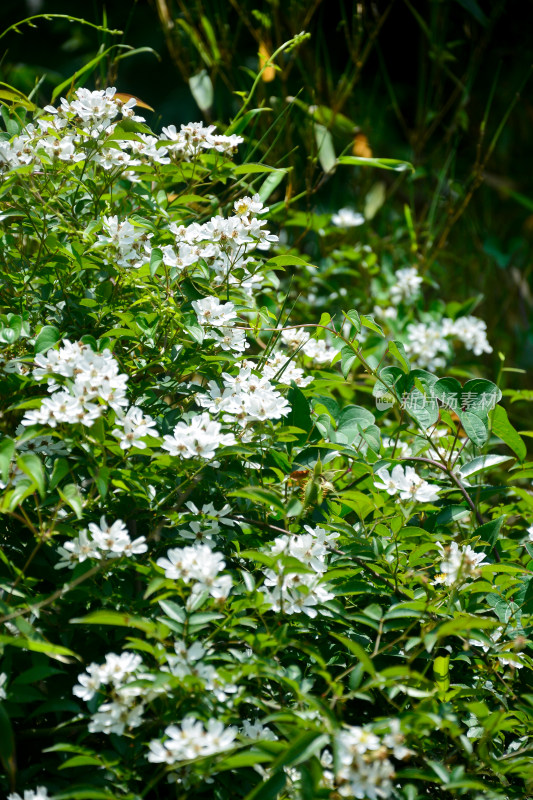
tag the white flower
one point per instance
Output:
(472, 332)
(210, 311)
(135, 427)
(3, 681)
(407, 285)
(458, 564)
(200, 566)
(191, 741)
(294, 338)
(257, 731)
(76, 551)
(200, 438)
(40, 793)
(356, 741)
(249, 205)
(115, 717)
(88, 683)
(108, 541)
(90, 377)
(407, 483)
(232, 339)
(363, 771)
(427, 345)
(389, 482)
(347, 218)
(114, 539)
(320, 351)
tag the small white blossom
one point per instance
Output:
(347, 218)
(458, 564)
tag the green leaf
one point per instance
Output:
(397, 350)
(47, 337)
(115, 618)
(300, 414)
(253, 169)
(156, 259)
(7, 450)
(369, 322)
(173, 610)
(287, 261)
(202, 89)
(502, 428)
(347, 359)
(441, 673)
(262, 496)
(482, 464)
(80, 761)
(325, 148)
(271, 183)
(270, 789)
(301, 750)
(36, 646)
(380, 163)
(61, 468)
(354, 318)
(32, 466)
(71, 496)
(358, 652)
(488, 532)
(475, 428)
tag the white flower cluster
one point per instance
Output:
(410, 486)
(125, 709)
(133, 427)
(189, 661)
(40, 793)
(199, 566)
(472, 332)
(406, 285)
(219, 319)
(319, 350)
(299, 592)
(106, 541)
(428, 342)
(427, 345)
(364, 770)
(458, 564)
(245, 398)
(199, 438)
(93, 383)
(85, 129)
(126, 245)
(190, 741)
(193, 138)
(347, 218)
(223, 244)
(96, 109)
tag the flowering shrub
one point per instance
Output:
(246, 552)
